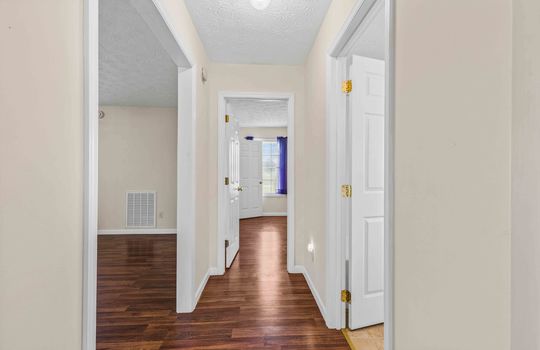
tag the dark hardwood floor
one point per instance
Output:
(255, 305)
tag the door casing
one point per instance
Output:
(223, 96)
(187, 114)
(337, 167)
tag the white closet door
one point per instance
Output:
(233, 233)
(251, 179)
(367, 210)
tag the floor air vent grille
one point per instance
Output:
(140, 209)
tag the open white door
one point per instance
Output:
(233, 160)
(251, 179)
(366, 272)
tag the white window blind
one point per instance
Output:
(270, 161)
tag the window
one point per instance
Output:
(270, 163)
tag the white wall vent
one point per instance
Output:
(140, 209)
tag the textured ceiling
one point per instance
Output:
(134, 67)
(234, 32)
(260, 113)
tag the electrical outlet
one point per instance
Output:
(311, 250)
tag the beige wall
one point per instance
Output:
(137, 152)
(186, 32)
(452, 174)
(41, 174)
(270, 204)
(253, 78)
(311, 208)
(453, 81)
(526, 177)
(453, 114)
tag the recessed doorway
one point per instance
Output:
(131, 52)
(360, 190)
(255, 167)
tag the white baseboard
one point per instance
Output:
(212, 271)
(139, 231)
(275, 214)
(298, 269)
(201, 288)
(318, 300)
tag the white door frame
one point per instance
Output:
(337, 168)
(223, 96)
(186, 164)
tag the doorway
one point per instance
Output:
(143, 99)
(360, 190)
(251, 175)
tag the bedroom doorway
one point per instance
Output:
(256, 167)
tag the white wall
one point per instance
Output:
(270, 204)
(137, 151)
(253, 78)
(41, 174)
(452, 174)
(526, 177)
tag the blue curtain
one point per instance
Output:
(282, 178)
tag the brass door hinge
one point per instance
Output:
(346, 191)
(226, 181)
(346, 86)
(227, 118)
(345, 296)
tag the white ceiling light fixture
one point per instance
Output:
(260, 4)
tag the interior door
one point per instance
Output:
(251, 179)
(366, 272)
(233, 232)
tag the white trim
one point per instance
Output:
(336, 175)
(274, 214)
(336, 113)
(90, 205)
(185, 251)
(139, 231)
(389, 176)
(211, 272)
(200, 289)
(274, 195)
(222, 195)
(244, 126)
(186, 185)
(301, 269)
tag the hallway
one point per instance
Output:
(255, 305)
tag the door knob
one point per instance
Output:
(239, 188)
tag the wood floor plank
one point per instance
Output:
(255, 305)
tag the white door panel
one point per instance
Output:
(367, 203)
(233, 232)
(251, 179)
